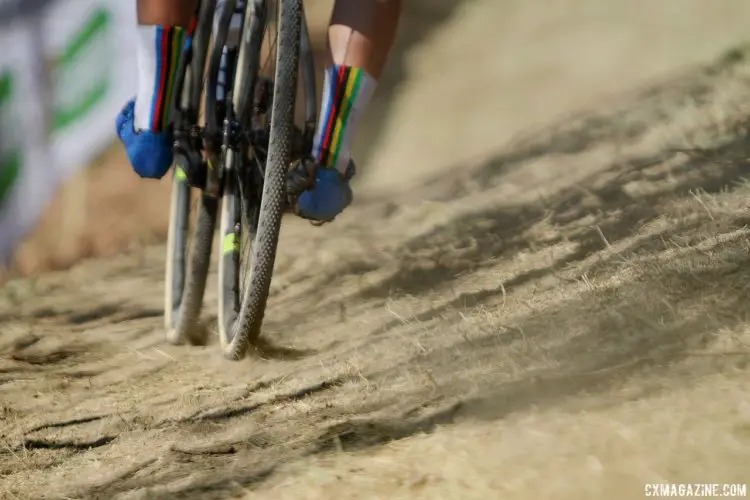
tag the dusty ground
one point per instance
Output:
(555, 309)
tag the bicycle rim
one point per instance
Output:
(185, 279)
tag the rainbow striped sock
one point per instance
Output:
(160, 49)
(346, 93)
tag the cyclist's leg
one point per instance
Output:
(144, 123)
(360, 37)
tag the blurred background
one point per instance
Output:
(466, 78)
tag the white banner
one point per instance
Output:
(71, 70)
(90, 51)
(25, 167)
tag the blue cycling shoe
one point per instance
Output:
(150, 153)
(319, 194)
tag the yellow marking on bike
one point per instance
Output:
(180, 174)
(210, 165)
(230, 244)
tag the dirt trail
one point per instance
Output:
(563, 317)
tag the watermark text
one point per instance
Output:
(700, 490)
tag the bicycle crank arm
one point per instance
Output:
(190, 162)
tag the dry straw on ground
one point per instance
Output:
(570, 322)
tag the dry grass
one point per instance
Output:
(628, 370)
(570, 322)
(599, 453)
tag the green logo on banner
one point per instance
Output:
(10, 147)
(82, 70)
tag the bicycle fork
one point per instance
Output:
(229, 15)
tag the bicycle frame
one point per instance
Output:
(218, 137)
(186, 105)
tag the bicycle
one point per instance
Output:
(238, 159)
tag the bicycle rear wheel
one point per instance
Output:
(254, 199)
(185, 284)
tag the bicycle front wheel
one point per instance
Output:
(251, 221)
